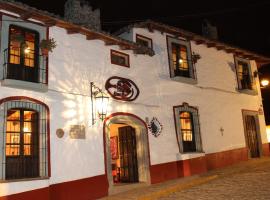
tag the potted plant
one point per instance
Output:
(17, 40)
(47, 45)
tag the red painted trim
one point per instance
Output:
(124, 55)
(146, 38)
(39, 194)
(104, 135)
(83, 189)
(16, 98)
(177, 169)
(266, 149)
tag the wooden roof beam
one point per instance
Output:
(229, 50)
(210, 44)
(199, 41)
(109, 42)
(220, 47)
(25, 16)
(73, 30)
(93, 37)
(50, 22)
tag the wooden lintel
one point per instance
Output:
(72, 30)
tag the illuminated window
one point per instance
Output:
(243, 71)
(25, 132)
(144, 41)
(180, 60)
(23, 54)
(188, 128)
(119, 58)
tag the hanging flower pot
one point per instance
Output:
(47, 46)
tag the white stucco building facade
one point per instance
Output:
(205, 109)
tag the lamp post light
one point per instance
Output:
(101, 103)
(264, 83)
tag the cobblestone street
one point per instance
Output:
(248, 180)
(234, 183)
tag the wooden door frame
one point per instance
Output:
(255, 114)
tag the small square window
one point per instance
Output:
(244, 75)
(119, 58)
(144, 41)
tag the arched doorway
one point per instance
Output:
(126, 150)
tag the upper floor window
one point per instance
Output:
(188, 128)
(23, 54)
(180, 58)
(244, 75)
(144, 41)
(119, 58)
(25, 132)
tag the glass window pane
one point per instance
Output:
(27, 150)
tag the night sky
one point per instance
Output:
(243, 23)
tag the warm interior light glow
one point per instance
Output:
(268, 133)
(25, 129)
(27, 50)
(180, 61)
(264, 82)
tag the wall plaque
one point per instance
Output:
(77, 132)
(60, 133)
(122, 88)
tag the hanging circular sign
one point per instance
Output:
(122, 88)
(155, 127)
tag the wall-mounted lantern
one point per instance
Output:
(100, 100)
(195, 57)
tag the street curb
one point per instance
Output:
(177, 188)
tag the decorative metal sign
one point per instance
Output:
(122, 88)
(60, 133)
(77, 132)
(155, 127)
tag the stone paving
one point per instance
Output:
(246, 180)
(252, 182)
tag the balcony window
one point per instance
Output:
(22, 56)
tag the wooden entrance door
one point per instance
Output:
(252, 137)
(128, 155)
(22, 144)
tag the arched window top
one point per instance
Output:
(24, 130)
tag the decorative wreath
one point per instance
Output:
(155, 127)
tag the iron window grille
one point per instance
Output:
(24, 140)
(25, 64)
(188, 128)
